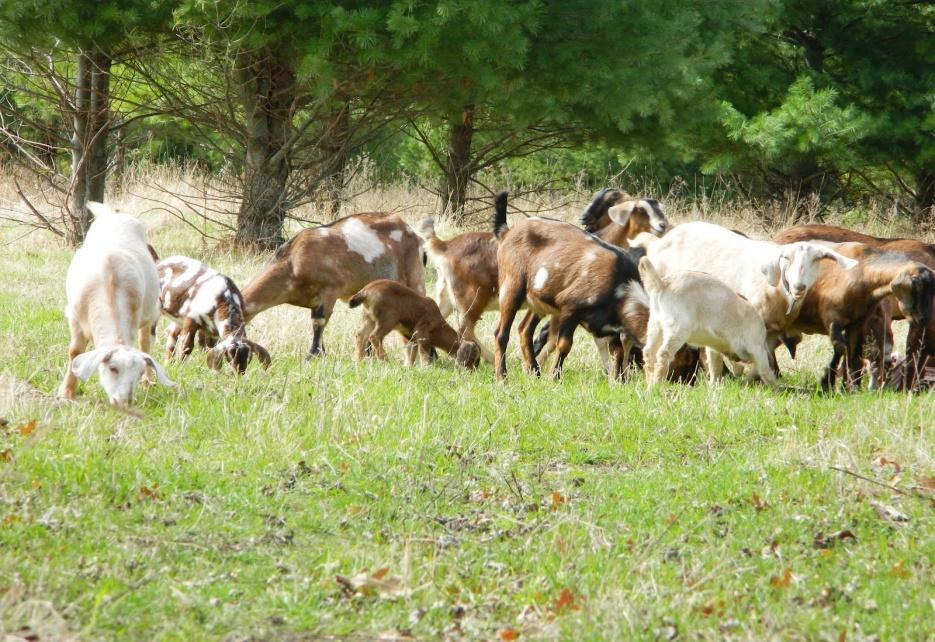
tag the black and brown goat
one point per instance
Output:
(319, 266)
(630, 217)
(561, 271)
(389, 305)
(920, 342)
(207, 303)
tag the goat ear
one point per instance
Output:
(214, 358)
(161, 375)
(261, 353)
(770, 268)
(843, 261)
(86, 363)
(620, 214)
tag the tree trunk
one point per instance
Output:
(267, 86)
(334, 161)
(90, 128)
(925, 196)
(459, 168)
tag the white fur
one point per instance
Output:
(700, 310)
(757, 270)
(542, 275)
(112, 291)
(396, 235)
(362, 239)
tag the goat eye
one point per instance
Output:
(114, 369)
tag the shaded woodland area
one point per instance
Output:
(829, 101)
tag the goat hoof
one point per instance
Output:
(312, 354)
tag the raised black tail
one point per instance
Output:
(499, 215)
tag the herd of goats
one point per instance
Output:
(668, 298)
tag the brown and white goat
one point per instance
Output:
(917, 290)
(113, 292)
(467, 274)
(561, 271)
(319, 266)
(616, 217)
(389, 306)
(203, 301)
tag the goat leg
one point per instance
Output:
(527, 330)
(839, 344)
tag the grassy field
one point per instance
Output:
(341, 500)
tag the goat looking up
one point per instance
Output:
(112, 291)
(616, 217)
(392, 306)
(200, 299)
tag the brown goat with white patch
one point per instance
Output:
(561, 271)
(201, 300)
(389, 306)
(319, 266)
(920, 343)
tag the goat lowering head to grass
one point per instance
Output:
(201, 300)
(112, 291)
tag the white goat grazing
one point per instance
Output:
(112, 291)
(698, 309)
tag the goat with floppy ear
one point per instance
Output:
(201, 300)
(113, 292)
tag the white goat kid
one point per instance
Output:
(697, 309)
(112, 291)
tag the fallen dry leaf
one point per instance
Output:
(882, 461)
(886, 511)
(565, 602)
(899, 570)
(557, 499)
(758, 504)
(926, 483)
(145, 492)
(827, 541)
(507, 635)
(378, 583)
(782, 582)
(27, 428)
(6, 455)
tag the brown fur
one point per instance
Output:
(920, 344)
(317, 267)
(389, 306)
(558, 270)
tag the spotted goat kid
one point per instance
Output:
(205, 302)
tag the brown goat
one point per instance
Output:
(467, 274)
(920, 343)
(319, 266)
(840, 301)
(558, 270)
(630, 217)
(392, 306)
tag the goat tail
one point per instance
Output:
(651, 280)
(358, 299)
(499, 215)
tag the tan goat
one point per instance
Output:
(389, 306)
(319, 266)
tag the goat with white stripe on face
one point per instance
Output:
(202, 301)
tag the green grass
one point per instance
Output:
(573, 509)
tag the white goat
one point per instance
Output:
(773, 278)
(112, 291)
(698, 309)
